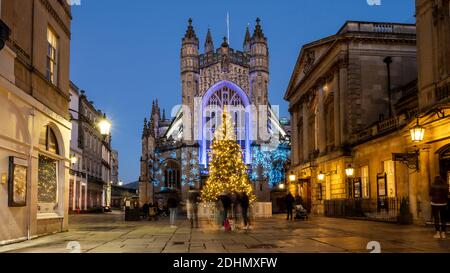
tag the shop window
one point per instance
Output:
(365, 184)
(48, 172)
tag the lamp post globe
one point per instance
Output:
(105, 126)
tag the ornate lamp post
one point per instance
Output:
(349, 171)
(321, 176)
(417, 132)
(104, 126)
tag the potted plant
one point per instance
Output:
(405, 216)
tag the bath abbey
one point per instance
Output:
(175, 151)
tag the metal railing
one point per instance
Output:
(382, 209)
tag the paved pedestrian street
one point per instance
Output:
(109, 233)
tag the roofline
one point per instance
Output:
(328, 39)
(373, 22)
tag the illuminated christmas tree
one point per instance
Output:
(227, 171)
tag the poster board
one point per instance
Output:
(17, 182)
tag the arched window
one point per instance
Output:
(48, 171)
(47, 140)
(225, 93)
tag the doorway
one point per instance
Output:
(306, 193)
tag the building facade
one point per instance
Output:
(92, 167)
(115, 167)
(175, 152)
(344, 88)
(34, 121)
(78, 177)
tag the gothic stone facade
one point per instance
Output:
(175, 152)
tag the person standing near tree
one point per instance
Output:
(245, 203)
(439, 202)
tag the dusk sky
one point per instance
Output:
(126, 53)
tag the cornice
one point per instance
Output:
(55, 15)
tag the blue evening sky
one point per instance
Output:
(126, 53)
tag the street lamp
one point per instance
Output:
(349, 171)
(292, 177)
(105, 126)
(281, 186)
(321, 176)
(73, 159)
(417, 132)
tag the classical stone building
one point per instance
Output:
(341, 86)
(96, 153)
(115, 167)
(386, 163)
(175, 152)
(433, 38)
(34, 121)
(78, 177)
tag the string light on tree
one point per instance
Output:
(227, 170)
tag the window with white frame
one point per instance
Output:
(365, 183)
(52, 56)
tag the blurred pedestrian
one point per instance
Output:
(194, 200)
(289, 201)
(245, 203)
(439, 203)
(172, 204)
(226, 202)
(145, 210)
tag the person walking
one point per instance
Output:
(194, 200)
(172, 204)
(145, 210)
(220, 215)
(226, 202)
(439, 202)
(245, 203)
(289, 201)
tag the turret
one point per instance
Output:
(209, 44)
(145, 129)
(259, 74)
(189, 75)
(259, 50)
(189, 50)
(247, 40)
(154, 119)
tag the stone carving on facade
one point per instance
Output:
(310, 60)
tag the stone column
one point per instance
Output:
(336, 106)
(322, 139)
(342, 100)
(295, 136)
(425, 181)
(305, 115)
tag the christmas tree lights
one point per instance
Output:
(227, 170)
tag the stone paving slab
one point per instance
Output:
(109, 233)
